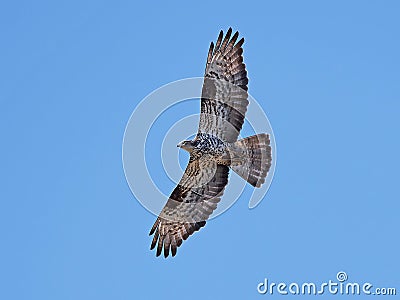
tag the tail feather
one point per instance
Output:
(251, 158)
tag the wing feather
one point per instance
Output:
(190, 204)
(219, 39)
(224, 94)
(210, 52)
(226, 39)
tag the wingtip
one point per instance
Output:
(235, 36)
(211, 50)
(173, 252)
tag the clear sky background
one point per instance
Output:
(71, 72)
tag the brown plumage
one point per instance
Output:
(215, 148)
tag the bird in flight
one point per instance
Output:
(215, 149)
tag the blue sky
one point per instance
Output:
(71, 73)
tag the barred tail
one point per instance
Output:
(251, 158)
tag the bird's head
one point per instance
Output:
(187, 145)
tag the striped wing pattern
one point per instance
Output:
(190, 204)
(224, 93)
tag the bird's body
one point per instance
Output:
(208, 144)
(215, 149)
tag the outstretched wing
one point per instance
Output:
(190, 204)
(224, 93)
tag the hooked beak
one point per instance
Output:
(180, 145)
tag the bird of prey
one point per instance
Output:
(215, 149)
